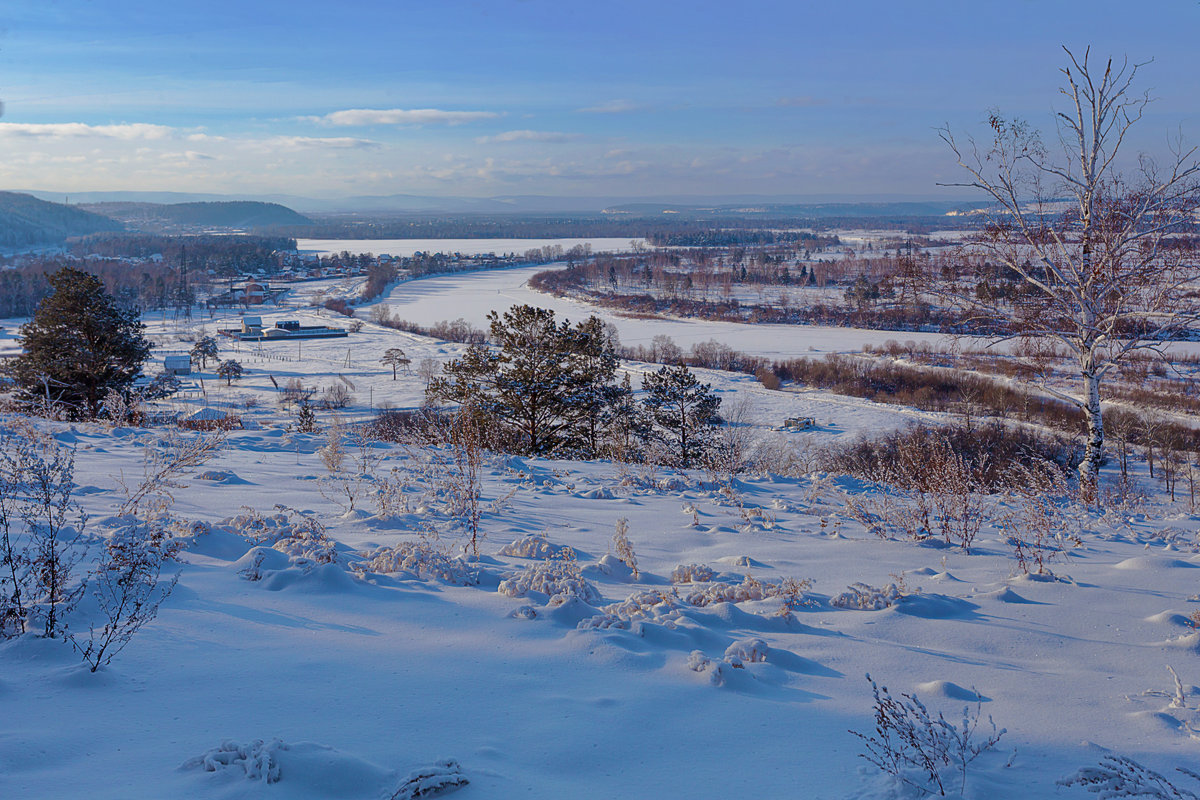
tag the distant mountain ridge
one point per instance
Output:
(235, 214)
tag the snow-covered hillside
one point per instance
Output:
(617, 686)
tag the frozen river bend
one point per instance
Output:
(472, 295)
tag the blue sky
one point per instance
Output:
(558, 98)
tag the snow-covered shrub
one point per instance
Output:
(535, 546)
(300, 536)
(698, 662)
(257, 759)
(1118, 776)
(428, 781)
(692, 573)
(651, 604)
(793, 592)
(559, 579)
(603, 622)
(917, 748)
(421, 560)
(864, 597)
(745, 651)
(624, 548)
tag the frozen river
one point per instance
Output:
(471, 295)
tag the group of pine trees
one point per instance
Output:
(545, 387)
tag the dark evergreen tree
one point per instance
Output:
(591, 395)
(540, 382)
(681, 413)
(79, 345)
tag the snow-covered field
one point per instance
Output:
(586, 698)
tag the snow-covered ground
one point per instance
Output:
(368, 675)
(395, 672)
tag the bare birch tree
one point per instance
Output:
(1094, 249)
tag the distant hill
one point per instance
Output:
(232, 214)
(26, 221)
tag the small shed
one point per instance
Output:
(177, 365)
(252, 325)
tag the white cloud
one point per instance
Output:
(80, 130)
(333, 142)
(528, 136)
(401, 116)
(613, 107)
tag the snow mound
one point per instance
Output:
(741, 561)
(219, 476)
(315, 770)
(614, 568)
(599, 493)
(1007, 595)
(535, 546)
(1152, 562)
(1169, 617)
(950, 691)
(746, 651)
(935, 606)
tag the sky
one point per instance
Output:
(531, 97)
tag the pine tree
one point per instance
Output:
(545, 382)
(680, 413)
(79, 346)
(394, 357)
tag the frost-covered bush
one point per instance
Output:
(864, 597)
(624, 547)
(421, 560)
(793, 592)
(127, 591)
(737, 656)
(918, 749)
(257, 759)
(559, 579)
(692, 573)
(535, 546)
(1118, 776)
(746, 651)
